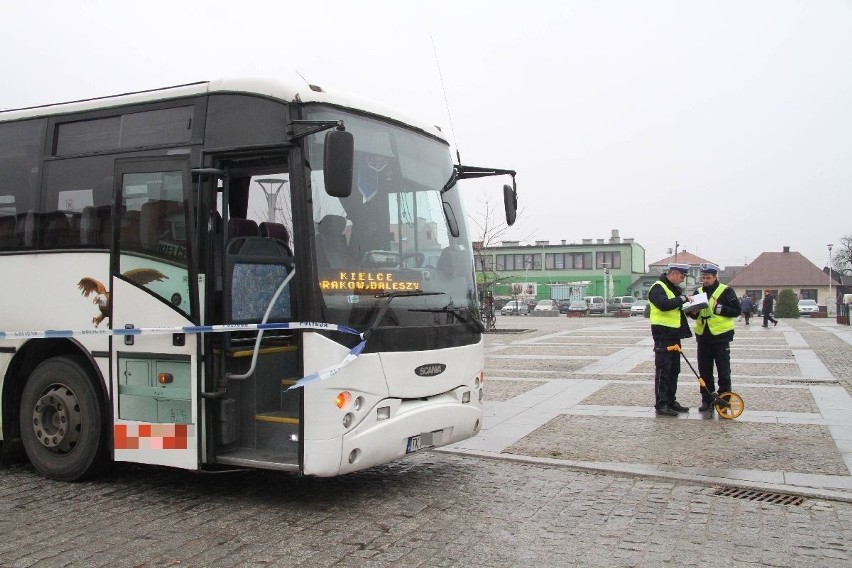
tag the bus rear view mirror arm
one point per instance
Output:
(510, 192)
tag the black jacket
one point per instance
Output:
(766, 307)
(657, 296)
(729, 305)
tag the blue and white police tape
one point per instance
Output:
(330, 371)
(191, 329)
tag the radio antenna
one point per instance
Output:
(446, 100)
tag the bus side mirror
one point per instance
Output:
(510, 203)
(338, 162)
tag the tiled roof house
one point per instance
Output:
(777, 270)
(641, 285)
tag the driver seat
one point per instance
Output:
(331, 242)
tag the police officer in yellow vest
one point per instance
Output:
(668, 327)
(714, 331)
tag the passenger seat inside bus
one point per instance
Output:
(242, 228)
(7, 232)
(96, 226)
(156, 223)
(276, 231)
(56, 231)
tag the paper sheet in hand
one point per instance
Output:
(698, 301)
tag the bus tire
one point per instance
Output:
(62, 420)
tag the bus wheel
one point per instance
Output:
(62, 420)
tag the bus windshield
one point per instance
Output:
(391, 234)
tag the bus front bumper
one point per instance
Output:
(410, 426)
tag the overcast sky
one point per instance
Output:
(724, 125)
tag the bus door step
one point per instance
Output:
(277, 432)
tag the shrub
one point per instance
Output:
(788, 304)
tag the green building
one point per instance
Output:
(603, 267)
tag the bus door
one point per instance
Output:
(154, 375)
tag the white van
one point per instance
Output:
(596, 304)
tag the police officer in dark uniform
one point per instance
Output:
(668, 327)
(714, 331)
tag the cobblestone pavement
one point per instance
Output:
(623, 488)
(429, 510)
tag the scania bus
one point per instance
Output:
(235, 273)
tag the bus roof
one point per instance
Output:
(280, 89)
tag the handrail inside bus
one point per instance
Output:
(257, 341)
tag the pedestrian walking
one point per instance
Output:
(714, 331)
(767, 308)
(747, 306)
(668, 327)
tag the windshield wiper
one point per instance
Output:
(462, 314)
(390, 298)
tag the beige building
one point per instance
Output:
(786, 269)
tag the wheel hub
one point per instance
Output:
(57, 419)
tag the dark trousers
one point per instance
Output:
(747, 316)
(720, 355)
(767, 317)
(666, 370)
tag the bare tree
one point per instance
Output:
(489, 228)
(842, 260)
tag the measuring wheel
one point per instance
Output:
(729, 405)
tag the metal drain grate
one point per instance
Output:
(759, 496)
(810, 382)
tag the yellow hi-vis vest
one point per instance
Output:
(670, 318)
(716, 323)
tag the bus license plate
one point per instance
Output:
(422, 441)
(413, 444)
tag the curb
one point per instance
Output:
(633, 470)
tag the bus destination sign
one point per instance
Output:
(369, 282)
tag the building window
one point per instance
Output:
(579, 260)
(608, 259)
(808, 294)
(485, 262)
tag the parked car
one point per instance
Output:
(623, 303)
(596, 304)
(546, 306)
(578, 306)
(563, 306)
(808, 307)
(514, 308)
(638, 308)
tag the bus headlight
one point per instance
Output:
(347, 419)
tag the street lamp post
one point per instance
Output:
(271, 192)
(830, 297)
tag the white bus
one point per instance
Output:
(242, 273)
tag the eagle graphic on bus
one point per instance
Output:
(92, 286)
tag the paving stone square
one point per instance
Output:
(765, 398)
(710, 443)
(503, 390)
